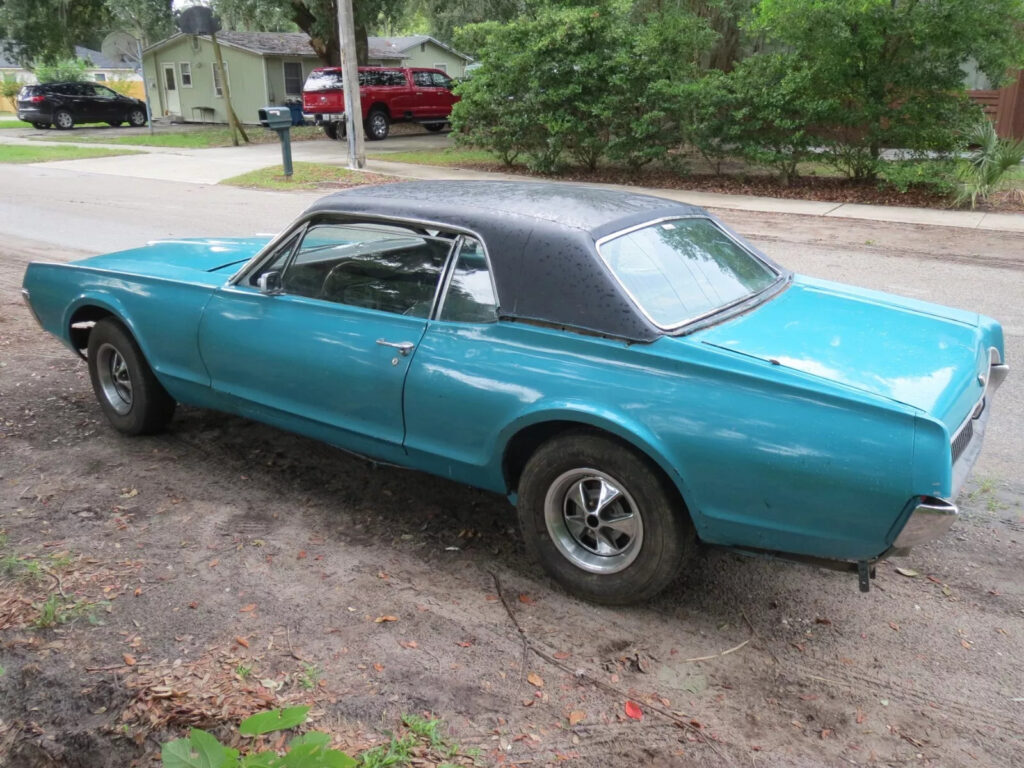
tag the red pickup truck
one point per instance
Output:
(388, 95)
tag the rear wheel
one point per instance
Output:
(62, 119)
(378, 125)
(602, 520)
(137, 117)
(132, 399)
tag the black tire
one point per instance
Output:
(63, 119)
(114, 123)
(377, 125)
(435, 127)
(40, 126)
(136, 117)
(132, 399)
(646, 562)
(331, 131)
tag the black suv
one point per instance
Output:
(64, 104)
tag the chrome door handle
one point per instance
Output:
(403, 347)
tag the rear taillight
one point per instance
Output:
(37, 99)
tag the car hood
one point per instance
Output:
(181, 258)
(912, 352)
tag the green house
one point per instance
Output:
(262, 68)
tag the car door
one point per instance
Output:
(424, 95)
(325, 345)
(103, 104)
(443, 93)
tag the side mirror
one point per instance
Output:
(269, 282)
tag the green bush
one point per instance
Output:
(62, 70)
(937, 176)
(579, 84)
(9, 87)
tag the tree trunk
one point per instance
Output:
(232, 119)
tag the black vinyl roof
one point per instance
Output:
(540, 239)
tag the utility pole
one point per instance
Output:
(350, 76)
(236, 127)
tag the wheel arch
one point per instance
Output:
(82, 316)
(524, 438)
(380, 106)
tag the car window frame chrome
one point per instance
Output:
(781, 275)
(450, 275)
(267, 252)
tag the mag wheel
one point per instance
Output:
(602, 519)
(132, 399)
(378, 125)
(63, 119)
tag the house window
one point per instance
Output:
(100, 77)
(292, 78)
(442, 67)
(218, 84)
(186, 74)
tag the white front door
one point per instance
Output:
(172, 103)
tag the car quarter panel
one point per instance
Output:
(162, 313)
(764, 457)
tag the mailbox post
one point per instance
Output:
(280, 119)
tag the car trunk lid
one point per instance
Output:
(912, 352)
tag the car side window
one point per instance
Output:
(441, 81)
(423, 79)
(394, 77)
(470, 295)
(386, 268)
(103, 92)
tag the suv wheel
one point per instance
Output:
(63, 119)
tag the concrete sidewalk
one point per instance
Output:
(211, 166)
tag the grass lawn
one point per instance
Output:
(306, 176)
(192, 139)
(21, 154)
(13, 124)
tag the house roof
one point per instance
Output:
(283, 44)
(403, 44)
(99, 61)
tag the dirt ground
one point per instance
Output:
(197, 576)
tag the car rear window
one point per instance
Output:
(680, 270)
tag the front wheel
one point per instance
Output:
(63, 119)
(602, 520)
(132, 399)
(378, 125)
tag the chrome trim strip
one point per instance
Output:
(779, 275)
(930, 520)
(993, 355)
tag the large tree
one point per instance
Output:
(49, 30)
(148, 20)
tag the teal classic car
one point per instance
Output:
(631, 374)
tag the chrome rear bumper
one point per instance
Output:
(931, 519)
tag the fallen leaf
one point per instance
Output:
(576, 717)
(129, 493)
(534, 679)
(382, 619)
(826, 732)
(408, 644)
(302, 554)
(633, 711)
(129, 659)
(193, 604)
(946, 590)
(464, 644)
(861, 717)
(526, 599)
(561, 655)
(894, 626)
(138, 591)
(966, 644)
(491, 598)
(908, 572)
(822, 620)
(934, 579)
(214, 563)
(242, 642)
(247, 608)
(528, 702)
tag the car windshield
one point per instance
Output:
(680, 270)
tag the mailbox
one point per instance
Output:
(276, 118)
(280, 119)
